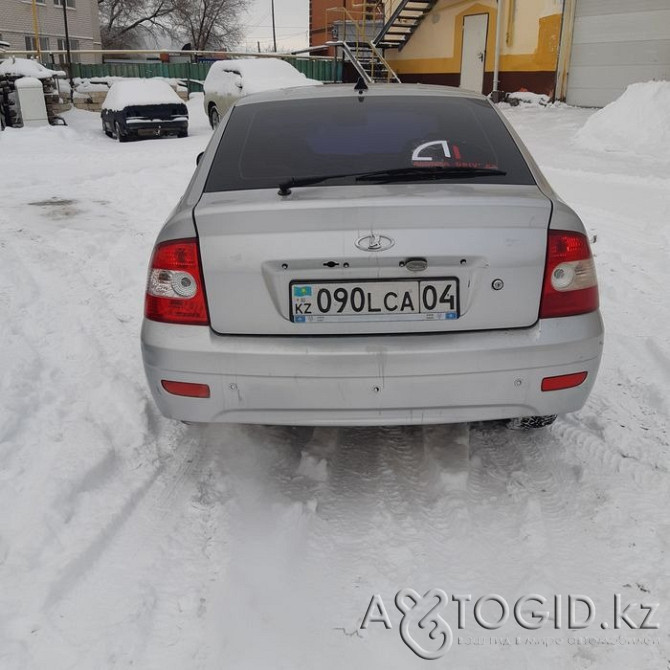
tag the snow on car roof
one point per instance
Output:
(24, 67)
(257, 74)
(140, 92)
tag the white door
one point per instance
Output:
(474, 52)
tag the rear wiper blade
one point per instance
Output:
(398, 174)
(429, 172)
(285, 186)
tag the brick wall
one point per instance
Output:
(16, 21)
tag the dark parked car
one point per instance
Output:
(143, 108)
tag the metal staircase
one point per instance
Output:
(402, 23)
(367, 61)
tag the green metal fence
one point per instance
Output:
(321, 69)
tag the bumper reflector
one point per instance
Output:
(563, 381)
(186, 389)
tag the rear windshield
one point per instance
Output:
(267, 143)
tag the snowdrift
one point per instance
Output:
(638, 122)
(25, 67)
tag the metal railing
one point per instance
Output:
(368, 77)
(128, 64)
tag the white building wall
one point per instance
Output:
(616, 43)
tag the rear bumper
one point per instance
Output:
(372, 380)
(156, 127)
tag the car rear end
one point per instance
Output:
(156, 120)
(370, 300)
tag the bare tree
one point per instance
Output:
(120, 19)
(210, 24)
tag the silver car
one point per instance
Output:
(354, 256)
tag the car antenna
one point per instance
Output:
(360, 86)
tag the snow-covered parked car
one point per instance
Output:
(143, 108)
(367, 257)
(229, 80)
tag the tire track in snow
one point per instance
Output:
(523, 496)
(621, 459)
(377, 521)
(167, 525)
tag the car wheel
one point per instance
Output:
(183, 133)
(118, 134)
(106, 130)
(214, 117)
(528, 422)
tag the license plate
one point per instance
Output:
(380, 300)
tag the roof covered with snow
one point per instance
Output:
(24, 67)
(253, 75)
(140, 92)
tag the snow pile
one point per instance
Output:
(87, 86)
(638, 122)
(253, 75)
(528, 98)
(140, 92)
(24, 67)
(103, 84)
(96, 81)
(29, 82)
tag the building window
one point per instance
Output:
(74, 46)
(70, 3)
(31, 44)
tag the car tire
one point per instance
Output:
(530, 422)
(214, 117)
(183, 133)
(118, 134)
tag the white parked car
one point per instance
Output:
(385, 256)
(229, 80)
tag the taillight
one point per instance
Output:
(570, 285)
(564, 381)
(175, 291)
(186, 389)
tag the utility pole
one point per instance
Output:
(274, 34)
(67, 46)
(496, 95)
(36, 31)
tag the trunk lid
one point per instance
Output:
(256, 246)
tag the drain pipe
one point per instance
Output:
(496, 93)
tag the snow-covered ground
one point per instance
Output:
(129, 541)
